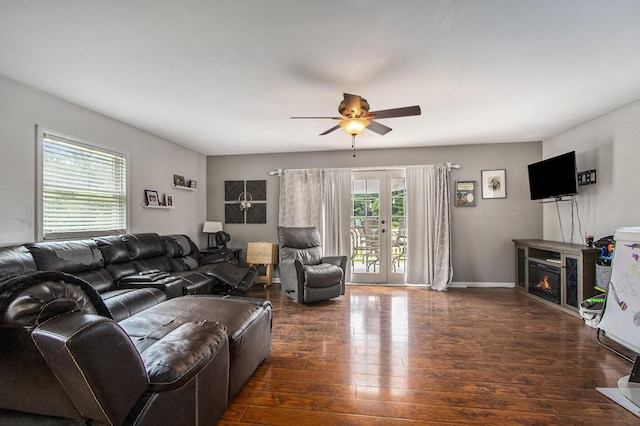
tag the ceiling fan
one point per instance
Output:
(356, 117)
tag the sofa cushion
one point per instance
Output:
(116, 256)
(182, 252)
(17, 258)
(322, 275)
(195, 282)
(67, 256)
(124, 303)
(160, 263)
(186, 263)
(113, 249)
(177, 245)
(300, 243)
(100, 279)
(143, 246)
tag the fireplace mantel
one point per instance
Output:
(575, 264)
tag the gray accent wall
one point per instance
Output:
(482, 246)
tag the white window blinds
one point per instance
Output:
(83, 189)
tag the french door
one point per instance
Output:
(378, 227)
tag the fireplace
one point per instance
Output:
(544, 281)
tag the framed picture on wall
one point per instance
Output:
(168, 199)
(494, 183)
(151, 197)
(178, 180)
(465, 193)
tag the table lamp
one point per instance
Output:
(211, 228)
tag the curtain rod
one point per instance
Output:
(450, 165)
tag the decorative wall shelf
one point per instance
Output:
(186, 188)
(158, 207)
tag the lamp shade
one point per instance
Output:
(212, 227)
(354, 126)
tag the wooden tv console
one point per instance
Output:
(574, 267)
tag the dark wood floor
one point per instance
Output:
(403, 355)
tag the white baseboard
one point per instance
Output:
(454, 284)
(463, 284)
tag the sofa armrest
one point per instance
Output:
(171, 286)
(103, 383)
(179, 356)
(340, 261)
(292, 277)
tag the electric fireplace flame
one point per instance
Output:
(545, 281)
(543, 284)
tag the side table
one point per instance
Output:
(265, 254)
(212, 250)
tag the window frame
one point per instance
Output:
(39, 229)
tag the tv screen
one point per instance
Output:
(554, 177)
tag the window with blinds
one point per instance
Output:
(83, 190)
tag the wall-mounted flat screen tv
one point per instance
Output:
(554, 177)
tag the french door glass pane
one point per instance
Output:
(398, 225)
(365, 216)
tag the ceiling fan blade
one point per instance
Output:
(378, 128)
(395, 112)
(352, 104)
(330, 130)
(319, 118)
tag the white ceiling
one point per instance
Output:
(223, 77)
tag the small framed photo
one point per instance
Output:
(168, 200)
(494, 183)
(179, 180)
(193, 184)
(465, 193)
(152, 197)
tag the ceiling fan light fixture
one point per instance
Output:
(354, 126)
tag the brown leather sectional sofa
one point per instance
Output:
(78, 345)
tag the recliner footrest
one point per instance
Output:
(237, 277)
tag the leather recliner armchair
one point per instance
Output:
(306, 275)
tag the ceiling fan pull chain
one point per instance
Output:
(353, 144)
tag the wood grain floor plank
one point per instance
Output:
(406, 355)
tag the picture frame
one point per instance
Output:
(494, 183)
(179, 180)
(151, 197)
(168, 200)
(193, 184)
(465, 193)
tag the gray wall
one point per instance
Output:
(482, 246)
(610, 145)
(152, 164)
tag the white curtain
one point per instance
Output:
(301, 198)
(429, 226)
(337, 215)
